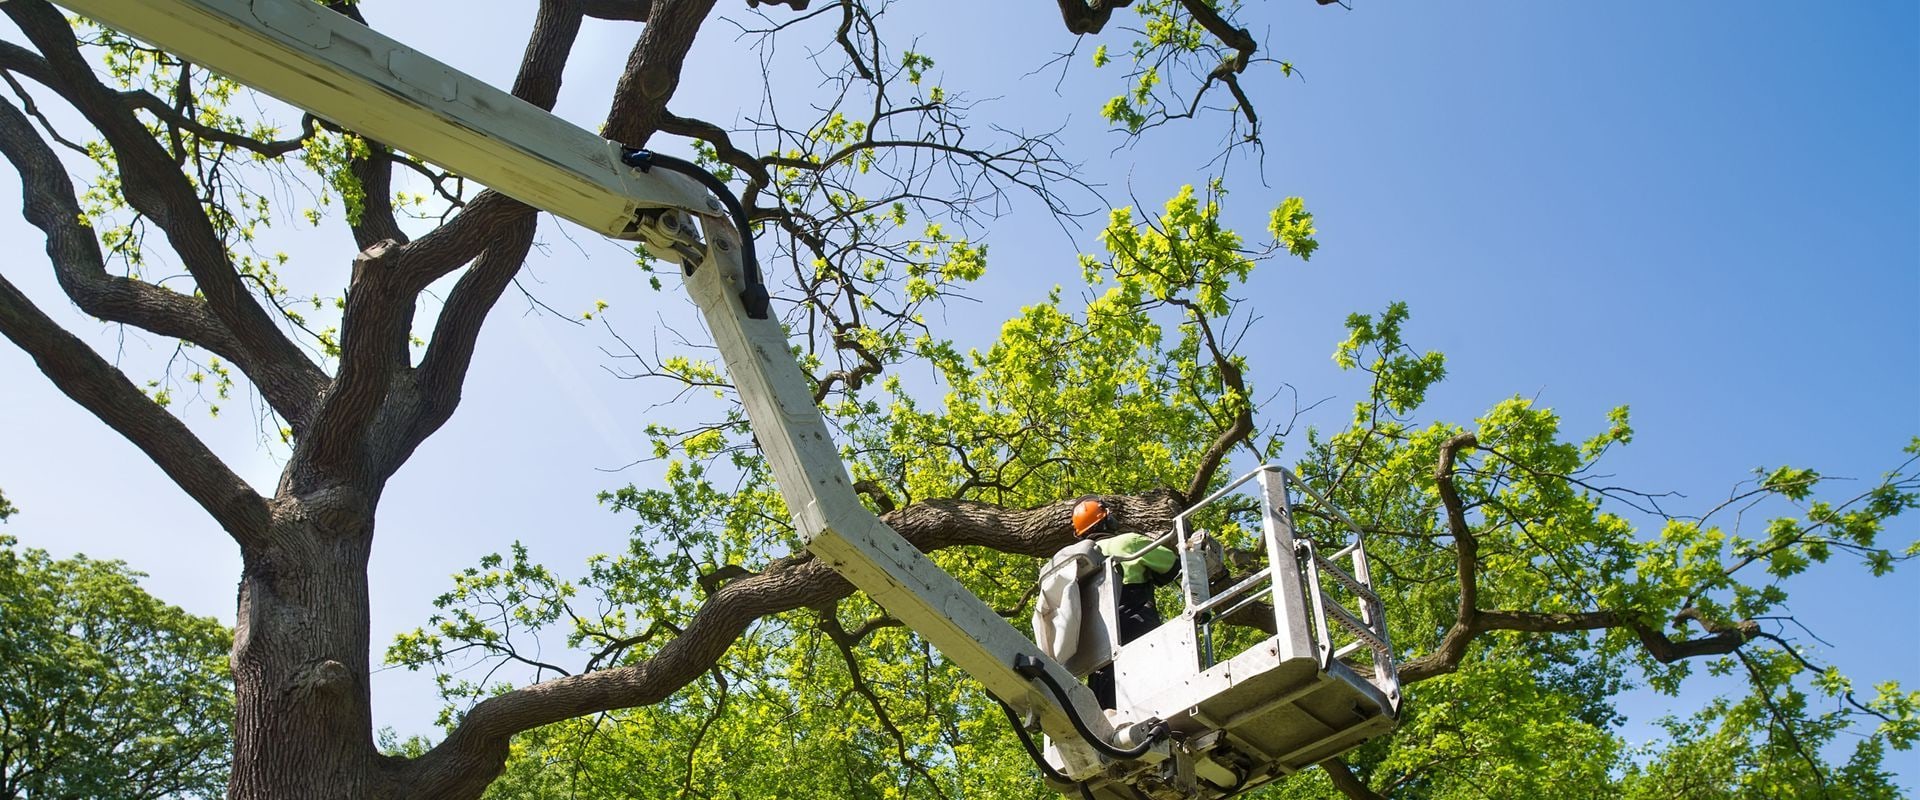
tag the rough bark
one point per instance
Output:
(653, 70)
(1089, 16)
(303, 719)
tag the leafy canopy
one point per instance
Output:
(1124, 392)
(104, 690)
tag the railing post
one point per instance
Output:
(1193, 567)
(1386, 673)
(1294, 638)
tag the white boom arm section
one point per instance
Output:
(353, 76)
(349, 74)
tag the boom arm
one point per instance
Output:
(345, 72)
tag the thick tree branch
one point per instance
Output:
(556, 27)
(1466, 547)
(1721, 639)
(1471, 621)
(49, 203)
(388, 276)
(446, 248)
(17, 59)
(1466, 625)
(374, 172)
(1237, 38)
(507, 237)
(1089, 16)
(373, 346)
(653, 70)
(1724, 638)
(156, 188)
(377, 221)
(95, 385)
(627, 10)
(476, 748)
(443, 371)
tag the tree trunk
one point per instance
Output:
(303, 721)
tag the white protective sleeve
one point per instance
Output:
(1057, 613)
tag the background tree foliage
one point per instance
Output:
(106, 691)
(712, 658)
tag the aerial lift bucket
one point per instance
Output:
(1323, 682)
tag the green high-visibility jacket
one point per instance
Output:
(1159, 559)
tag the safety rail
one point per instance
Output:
(1254, 587)
(1318, 567)
(1261, 674)
(1363, 621)
(1333, 570)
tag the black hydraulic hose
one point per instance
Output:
(755, 296)
(1031, 667)
(1033, 752)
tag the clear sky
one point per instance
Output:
(1708, 211)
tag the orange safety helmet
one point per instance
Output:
(1087, 515)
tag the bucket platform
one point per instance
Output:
(1273, 672)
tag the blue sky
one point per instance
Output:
(1708, 211)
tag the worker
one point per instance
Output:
(1138, 614)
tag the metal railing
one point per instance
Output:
(1364, 623)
